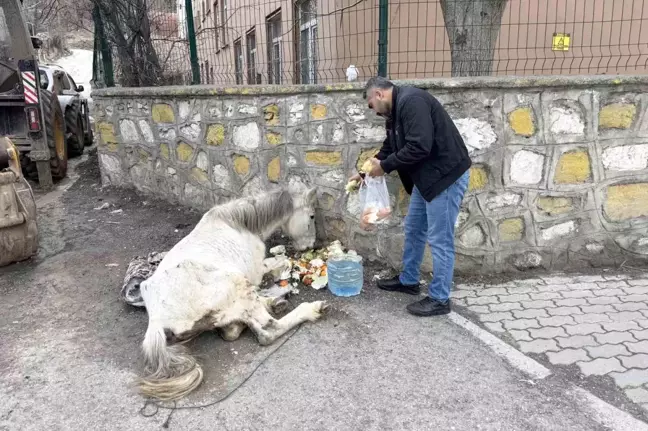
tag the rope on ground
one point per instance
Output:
(172, 409)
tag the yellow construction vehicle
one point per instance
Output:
(18, 226)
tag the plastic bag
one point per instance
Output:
(374, 201)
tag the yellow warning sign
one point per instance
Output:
(561, 42)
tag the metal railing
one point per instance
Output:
(234, 42)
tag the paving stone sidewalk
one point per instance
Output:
(599, 323)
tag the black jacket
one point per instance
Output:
(423, 143)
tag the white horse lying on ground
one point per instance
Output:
(209, 281)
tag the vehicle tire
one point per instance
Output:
(74, 132)
(89, 136)
(54, 122)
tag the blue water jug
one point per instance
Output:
(345, 274)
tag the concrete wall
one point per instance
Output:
(560, 175)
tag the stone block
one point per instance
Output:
(323, 158)
(601, 366)
(526, 168)
(164, 151)
(626, 201)
(478, 178)
(501, 203)
(584, 329)
(558, 231)
(529, 314)
(367, 132)
(184, 152)
(147, 132)
(274, 138)
(607, 350)
(163, 113)
(167, 133)
(640, 347)
(197, 197)
(318, 111)
(632, 378)
(538, 346)
(215, 134)
(573, 167)
(473, 236)
(247, 136)
(221, 177)
(556, 320)
(107, 133)
(274, 170)
(551, 205)
(635, 361)
(576, 341)
(567, 356)
(111, 170)
(625, 158)
(522, 121)
(271, 114)
(199, 175)
(637, 395)
(614, 337)
(567, 116)
(354, 109)
(477, 134)
(336, 228)
(617, 116)
(366, 155)
(296, 107)
(478, 116)
(511, 229)
(521, 324)
(241, 164)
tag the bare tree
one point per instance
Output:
(128, 29)
(473, 27)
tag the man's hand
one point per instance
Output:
(376, 169)
(356, 177)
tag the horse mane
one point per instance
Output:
(256, 213)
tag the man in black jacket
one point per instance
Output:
(424, 146)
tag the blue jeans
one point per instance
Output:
(434, 223)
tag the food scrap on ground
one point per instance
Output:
(308, 268)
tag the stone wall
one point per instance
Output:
(560, 174)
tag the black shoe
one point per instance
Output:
(394, 285)
(429, 307)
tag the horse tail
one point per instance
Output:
(171, 372)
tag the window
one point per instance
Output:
(238, 61)
(307, 53)
(251, 57)
(224, 19)
(207, 72)
(273, 32)
(204, 10)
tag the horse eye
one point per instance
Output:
(312, 217)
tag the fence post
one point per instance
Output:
(193, 52)
(383, 23)
(106, 52)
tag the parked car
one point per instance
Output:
(78, 132)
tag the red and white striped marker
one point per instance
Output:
(29, 83)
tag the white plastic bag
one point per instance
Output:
(374, 201)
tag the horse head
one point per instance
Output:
(300, 226)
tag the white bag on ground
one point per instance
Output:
(374, 201)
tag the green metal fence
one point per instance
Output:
(235, 42)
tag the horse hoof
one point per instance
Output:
(321, 307)
(279, 306)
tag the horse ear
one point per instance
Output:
(311, 195)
